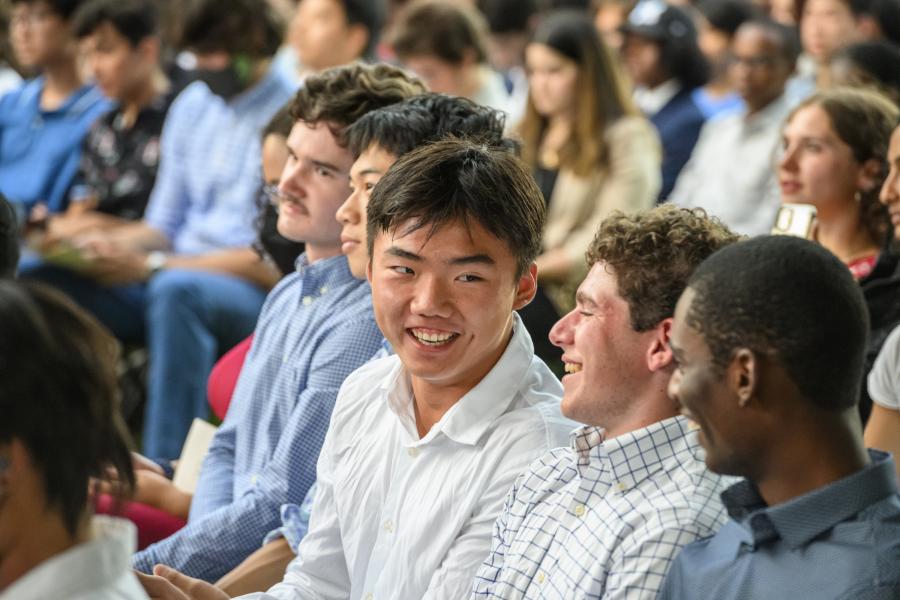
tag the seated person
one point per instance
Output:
(661, 54)
(605, 516)
(445, 43)
(185, 274)
(377, 139)
(120, 154)
(43, 122)
(869, 64)
(50, 546)
(423, 445)
(774, 394)
(316, 327)
(730, 172)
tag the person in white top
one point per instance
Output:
(424, 445)
(60, 427)
(605, 517)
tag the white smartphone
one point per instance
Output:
(795, 219)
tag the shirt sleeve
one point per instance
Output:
(639, 569)
(884, 387)
(169, 201)
(216, 483)
(489, 572)
(215, 544)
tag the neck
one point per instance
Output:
(645, 408)
(842, 233)
(812, 465)
(61, 78)
(719, 87)
(432, 400)
(317, 252)
(132, 105)
(471, 81)
(37, 543)
(752, 110)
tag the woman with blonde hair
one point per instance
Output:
(589, 148)
(834, 144)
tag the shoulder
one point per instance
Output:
(367, 381)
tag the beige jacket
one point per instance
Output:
(629, 183)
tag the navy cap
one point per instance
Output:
(659, 21)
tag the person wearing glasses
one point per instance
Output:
(730, 172)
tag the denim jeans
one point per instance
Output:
(189, 319)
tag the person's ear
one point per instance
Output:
(357, 40)
(148, 48)
(659, 354)
(743, 375)
(526, 288)
(870, 175)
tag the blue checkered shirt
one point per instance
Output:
(316, 327)
(204, 197)
(840, 541)
(603, 518)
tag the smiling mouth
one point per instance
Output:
(572, 367)
(431, 337)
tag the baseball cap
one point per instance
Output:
(659, 21)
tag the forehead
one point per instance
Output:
(810, 120)
(323, 9)
(754, 40)
(314, 139)
(894, 148)
(600, 287)
(683, 336)
(538, 53)
(106, 32)
(446, 241)
(373, 159)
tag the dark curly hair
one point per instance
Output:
(341, 95)
(789, 299)
(652, 254)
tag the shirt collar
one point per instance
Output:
(651, 101)
(82, 568)
(799, 521)
(270, 85)
(79, 101)
(635, 456)
(325, 274)
(772, 114)
(474, 413)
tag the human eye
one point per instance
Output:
(469, 278)
(323, 171)
(402, 270)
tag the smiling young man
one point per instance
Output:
(770, 341)
(315, 328)
(424, 445)
(604, 517)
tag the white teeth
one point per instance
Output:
(432, 338)
(572, 368)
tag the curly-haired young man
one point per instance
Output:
(604, 517)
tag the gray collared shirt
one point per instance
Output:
(840, 541)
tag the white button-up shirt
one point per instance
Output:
(99, 569)
(604, 518)
(399, 516)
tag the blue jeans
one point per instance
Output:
(190, 319)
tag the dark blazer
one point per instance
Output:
(678, 123)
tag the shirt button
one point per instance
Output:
(254, 479)
(620, 485)
(369, 596)
(323, 289)
(389, 526)
(579, 510)
(413, 452)
(307, 300)
(540, 577)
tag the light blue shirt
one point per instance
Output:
(316, 327)
(205, 194)
(839, 541)
(40, 149)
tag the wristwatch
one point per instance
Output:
(154, 263)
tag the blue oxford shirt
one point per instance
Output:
(209, 175)
(840, 541)
(316, 327)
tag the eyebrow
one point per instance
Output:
(582, 298)
(325, 165)
(482, 259)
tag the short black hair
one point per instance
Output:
(880, 60)
(371, 14)
(135, 20)
(727, 15)
(455, 180)
(401, 127)
(786, 37)
(245, 27)
(9, 240)
(886, 13)
(792, 300)
(63, 8)
(509, 16)
(60, 395)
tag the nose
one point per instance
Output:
(292, 178)
(788, 160)
(349, 213)
(430, 298)
(562, 333)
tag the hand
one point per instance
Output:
(139, 462)
(112, 263)
(168, 584)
